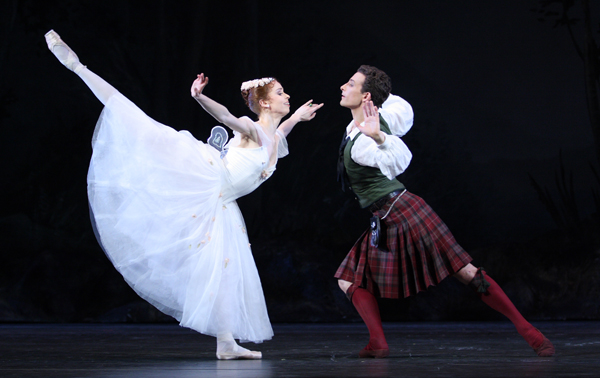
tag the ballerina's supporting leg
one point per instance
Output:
(101, 89)
(227, 348)
(226, 308)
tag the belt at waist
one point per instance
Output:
(382, 201)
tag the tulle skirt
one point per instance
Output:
(155, 199)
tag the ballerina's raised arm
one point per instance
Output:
(218, 111)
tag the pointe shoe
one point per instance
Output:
(247, 355)
(55, 44)
(227, 349)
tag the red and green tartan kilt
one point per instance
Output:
(416, 251)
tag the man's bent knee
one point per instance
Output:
(344, 285)
(466, 274)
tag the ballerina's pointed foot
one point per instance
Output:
(62, 52)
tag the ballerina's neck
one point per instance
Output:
(268, 126)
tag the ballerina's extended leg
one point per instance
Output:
(101, 89)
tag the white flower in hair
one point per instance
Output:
(247, 85)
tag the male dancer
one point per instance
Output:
(408, 247)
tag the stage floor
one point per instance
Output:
(462, 349)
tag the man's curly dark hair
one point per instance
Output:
(377, 82)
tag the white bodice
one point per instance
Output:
(245, 170)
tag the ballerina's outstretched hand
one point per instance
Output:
(198, 85)
(308, 111)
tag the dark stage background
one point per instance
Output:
(499, 100)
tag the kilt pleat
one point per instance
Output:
(418, 251)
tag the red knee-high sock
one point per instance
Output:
(367, 307)
(497, 299)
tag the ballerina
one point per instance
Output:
(163, 204)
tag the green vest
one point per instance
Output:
(368, 183)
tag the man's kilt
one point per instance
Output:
(416, 250)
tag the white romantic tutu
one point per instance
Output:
(164, 210)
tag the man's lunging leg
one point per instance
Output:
(492, 294)
(368, 309)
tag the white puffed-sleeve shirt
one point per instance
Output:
(392, 157)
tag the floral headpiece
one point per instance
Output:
(247, 85)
